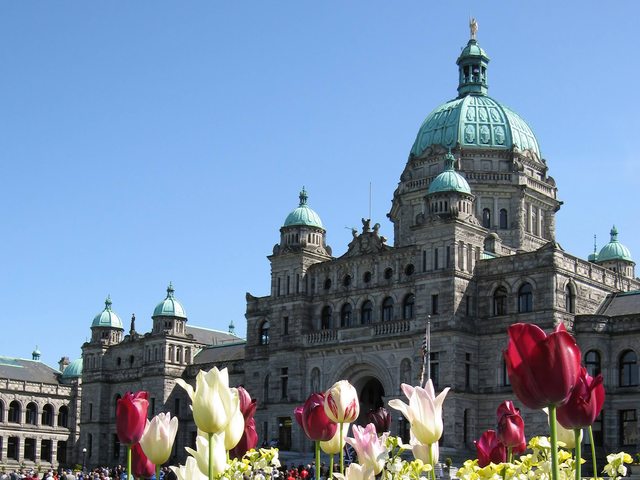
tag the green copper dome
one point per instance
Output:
(474, 120)
(449, 180)
(303, 215)
(73, 370)
(169, 307)
(614, 250)
(107, 318)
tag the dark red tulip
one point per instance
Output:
(543, 369)
(131, 417)
(585, 403)
(381, 419)
(247, 404)
(248, 441)
(141, 466)
(510, 425)
(490, 449)
(314, 420)
(249, 438)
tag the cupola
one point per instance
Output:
(615, 256)
(449, 194)
(302, 229)
(169, 316)
(106, 326)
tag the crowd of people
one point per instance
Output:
(101, 473)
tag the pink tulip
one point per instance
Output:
(141, 466)
(585, 403)
(490, 449)
(510, 426)
(381, 418)
(131, 417)
(372, 451)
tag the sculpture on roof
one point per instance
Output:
(473, 27)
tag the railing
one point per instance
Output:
(388, 328)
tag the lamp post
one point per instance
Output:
(84, 454)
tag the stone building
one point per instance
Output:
(474, 251)
(39, 412)
(115, 363)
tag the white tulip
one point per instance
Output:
(159, 435)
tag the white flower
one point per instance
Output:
(341, 402)
(159, 435)
(189, 471)
(201, 454)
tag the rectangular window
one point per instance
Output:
(467, 371)
(152, 406)
(436, 265)
(12, 448)
(288, 284)
(278, 287)
(61, 452)
(424, 260)
(285, 325)
(448, 257)
(628, 428)
(434, 366)
(46, 450)
(297, 283)
(284, 383)
(90, 411)
(30, 449)
(434, 305)
(176, 407)
(116, 447)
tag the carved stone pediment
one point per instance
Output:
(369, 241)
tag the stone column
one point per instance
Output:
(495, 219)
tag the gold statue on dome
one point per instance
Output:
(473, 27)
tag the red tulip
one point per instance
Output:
(381, 419)
(249, 437)
(131, 417)
(247, 404)
(510, 426)
(141, 466)
(248, 441)
(490, 449)
(543, 369)
(585, 403)
(313, 419)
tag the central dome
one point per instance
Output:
(474, 119)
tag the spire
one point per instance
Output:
(472, 66)
(303, 197)
(170, 290)
(35, 355)
(232, 328)
(107, 303)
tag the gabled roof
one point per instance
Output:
(209, 336)
(620, 304)
(220, 354)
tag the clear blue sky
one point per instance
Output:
(154, 141)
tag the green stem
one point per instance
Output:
(555, 471)
(129, 462)
(157, 472)
(433, 467)
(330, 476)
(593, 454)
(210, 456)
(509, 454)
(341, 450)
(576, 432)
(317, 460)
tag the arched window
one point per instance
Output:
(592, 362)
(366, 313)
(503, 219)
(63, 417)
(525, 298)
(115, 405)
(387, 309)
(569, 299)
(486, 218)
(32, 414)
(264, 333)
(1, 411)
(345, 315)
(628, 369)
(407, 307)
(325, 318)
(500, 301)
(47, 415)
(14, 412)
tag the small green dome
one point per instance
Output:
(169, 307)
(107, 318)
(74, 369)
(303, 215)
(449, 180)
(614, 250)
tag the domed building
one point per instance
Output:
(474, 251)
